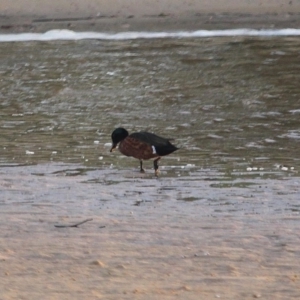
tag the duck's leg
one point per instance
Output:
(141, 165)
(155, 164)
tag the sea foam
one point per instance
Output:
(63, 34)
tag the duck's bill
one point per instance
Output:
(113, 148)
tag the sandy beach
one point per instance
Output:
(133, 15)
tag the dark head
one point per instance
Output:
(117, 136)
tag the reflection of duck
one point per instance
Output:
(141, 145)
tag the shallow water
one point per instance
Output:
(230, 103)
(232, 106)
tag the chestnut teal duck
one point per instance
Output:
(142, 145)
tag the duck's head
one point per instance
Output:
(117, 136)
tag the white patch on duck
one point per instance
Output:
(153, 150)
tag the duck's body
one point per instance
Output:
(142, 145)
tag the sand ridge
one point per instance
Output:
(40, 16)
(144, 7)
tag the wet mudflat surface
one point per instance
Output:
(221, 221)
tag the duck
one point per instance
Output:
(142, 146)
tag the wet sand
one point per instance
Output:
(145, 240)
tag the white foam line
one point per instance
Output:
(63, 34)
